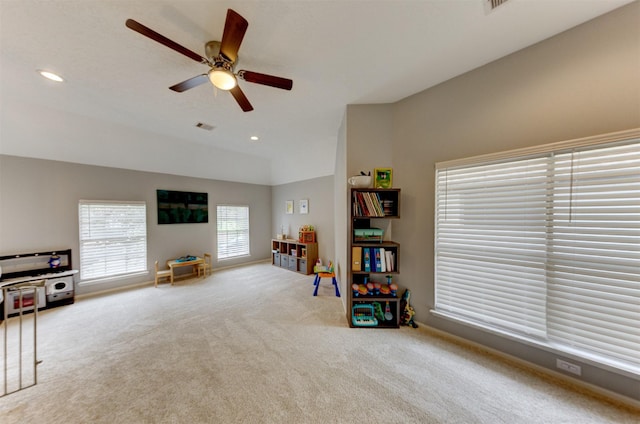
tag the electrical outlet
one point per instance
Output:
(569, 367)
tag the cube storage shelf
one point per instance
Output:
(294, 255)
(372, 309)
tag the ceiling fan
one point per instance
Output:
(221, 57)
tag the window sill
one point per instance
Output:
(99, 281)
(621, 369)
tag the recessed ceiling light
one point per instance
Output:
(254, 138)
(50, 75)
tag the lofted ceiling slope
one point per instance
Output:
(115, 108)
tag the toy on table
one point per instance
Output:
(318, 267)
(54, 261)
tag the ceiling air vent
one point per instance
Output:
(205, 126)
(496, 3)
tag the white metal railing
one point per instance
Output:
(19, 349)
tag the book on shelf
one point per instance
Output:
(370, 207)
(367, 260)
(383, 260)
(390, 260)
(374, 259)
(378, 204)
(368, 204)
(356, 258)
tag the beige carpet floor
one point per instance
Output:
(252, 345)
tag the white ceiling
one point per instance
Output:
(115, 108)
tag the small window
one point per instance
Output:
(113, 238)
(233, 231)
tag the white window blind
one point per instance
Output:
(233, 231)
(546, 246)
(594, 254)
(491, 222)
(113, 238)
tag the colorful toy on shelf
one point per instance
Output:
(307, 234)
(377, 311)
(393, 288)
(406, 311)
(388, 316)
(376, 288)
(362, 289)
(370, 288)
(384, 290)
(362, 315)
(354, 287)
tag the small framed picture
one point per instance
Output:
(304, 206)
(289, 208)
(383, 178)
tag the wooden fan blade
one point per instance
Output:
(270, 80)
(234, 29)
(148, 32)
(190, 83)
(242, 100)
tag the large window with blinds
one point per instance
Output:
(113, 238)
(233, 231)
(543, 244)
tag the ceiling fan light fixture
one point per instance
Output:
(222, 78)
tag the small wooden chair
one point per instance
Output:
(165, 273)
(205, 267)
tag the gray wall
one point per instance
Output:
(341, 199)
(582, 82)
(319, 192)
(39, 210)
